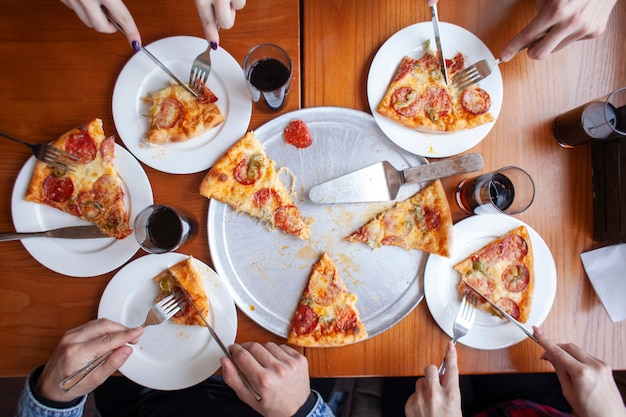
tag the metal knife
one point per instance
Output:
(74, 232)
(149, 54)
(222, 346)
(433, 10)
(381, 181)
(503, 313)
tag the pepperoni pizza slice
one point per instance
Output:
(185, 276)
(177, 116)
(419, 98)
(93, 191)
(422, 222)
(503, 272)
(326, 314)
(245, 178)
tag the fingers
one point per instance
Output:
(216, 14)
(121, 14)
(451, 376)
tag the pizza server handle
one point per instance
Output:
(149, 54)
(243, 377)
(503, 313)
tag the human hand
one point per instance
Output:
(217, 14)
(80, 345)
(437, 396)
(280, 375)
(562, 22)
(91, 14)
(587, 382)
(431, 2)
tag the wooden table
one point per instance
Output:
(57, 74)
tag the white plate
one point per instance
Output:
(410, 42)
(441, 281)
(168, 356)
(267, 271)
(141, 76)
(79, 257)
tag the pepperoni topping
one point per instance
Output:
(58, 189)
(482, 284)
(516, 278)
(108, 190)
(249, 169)
(206, 96)
(325, 295)
(170, 111)
(397, 226)
(305, 320)
(432, 218)
(107, 149)
(264, 196)
(346, 320)
(455, 64)
(82, 146)
(405, 101)
(514, 247)
(437, 103)
(429, 62)
(297, 133)
(510, 307)
(287, 219)
(406, 66)
(475, 100)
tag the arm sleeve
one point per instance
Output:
(31, 404)
(315, 407)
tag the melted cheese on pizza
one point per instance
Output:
(93, 191)
(422, 222)
(326, 314)
(419, 98)
(177, 116)
(246, 179)
(503, 272)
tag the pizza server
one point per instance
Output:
(381, 181)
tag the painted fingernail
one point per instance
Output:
(136, 46)
(214, 45)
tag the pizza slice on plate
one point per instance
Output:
(326, 314)
(185, 276)
(503, 271)
(245, 178)
(422, 222)
(177, 116)
(93, 191)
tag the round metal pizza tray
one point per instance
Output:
(266, 271)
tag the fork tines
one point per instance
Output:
(59, 159)
(198, 78)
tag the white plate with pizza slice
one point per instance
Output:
(141, 76)
(168, 356)
(267, 270)
(411, 41)
(441, 283)
(80, 257)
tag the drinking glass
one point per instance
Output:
(268, 71)
(598, 120)
(508, 190)
(160, 229)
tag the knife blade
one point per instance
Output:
(381, 181)
(503, 313)
(433, 10)
(73, 232)
(221, 344)
(149, 54)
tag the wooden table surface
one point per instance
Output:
(57, 74)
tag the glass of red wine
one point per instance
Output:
(160, 229)
(509, 190)
(268, 71)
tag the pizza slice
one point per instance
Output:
(503, 271)
(185, 276)
(418, 97)
(177, 116)
(422, 222)
(93, 191)
(245, 178)
(326, 314)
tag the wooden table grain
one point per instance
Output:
(340, 40)
(55, 74)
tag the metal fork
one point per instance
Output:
(462, 323)
(159, 313)
(482, 69)
(48, 154)
(200, 70)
